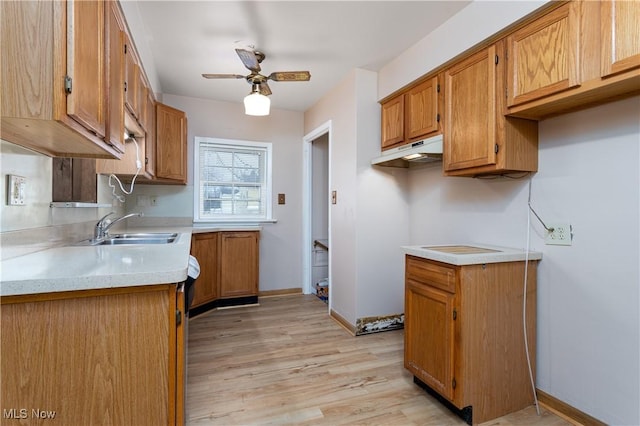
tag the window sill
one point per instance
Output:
(234, 224)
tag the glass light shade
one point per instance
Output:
(256, 104)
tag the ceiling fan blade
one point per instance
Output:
(265, 89)
(223, 76)
(290, 76)
(249, 59)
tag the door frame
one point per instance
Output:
(307, 140)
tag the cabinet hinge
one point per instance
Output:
(438, 118)
(497, 59)
(125, 86)
(178, 317)
(125, 49)
(68, 83)
(438, 88)
(453, 383)
(455, 314)
(496, 148)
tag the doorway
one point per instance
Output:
(317, 238)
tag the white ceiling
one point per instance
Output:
(327, 38)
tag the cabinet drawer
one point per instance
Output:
(431, 273)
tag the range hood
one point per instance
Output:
(423, 151)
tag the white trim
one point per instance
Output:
(324, 128)
(268, 147)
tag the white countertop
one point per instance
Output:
(69, 267)
(465, 254)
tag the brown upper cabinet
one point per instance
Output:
(115, 27)
(421, 108)
(171, 145)
(620, 23)
(54, 78)
(578, 54)
(393, 122)
(543, 56)
(132, 78)
(412, 114)
(478, 138)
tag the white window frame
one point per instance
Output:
(235, 144)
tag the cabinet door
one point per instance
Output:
(150, 140)
(429, 336)
(421, 109)
(115, 69)
(238, 264)
(204, 247)
(393, 122)
(470, 99)
(171, 144)
(544, 56)
(131, 78)
(86, 100)
(620, 25)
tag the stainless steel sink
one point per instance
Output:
(130, 239)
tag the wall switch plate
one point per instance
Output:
(154, 200)
(281, 199)
(560, 236)
(16, 191)
(334, 197)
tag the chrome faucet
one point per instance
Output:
(101, 231)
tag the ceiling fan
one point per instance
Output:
(259, 82)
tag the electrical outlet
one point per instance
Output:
(16, 194)
(560, 236)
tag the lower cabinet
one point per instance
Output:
(464, 334)
(111, 356)
(229, 266)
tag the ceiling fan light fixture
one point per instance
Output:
(256, 103)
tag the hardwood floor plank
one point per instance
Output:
(286, 361)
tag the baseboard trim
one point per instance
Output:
(566, 411)
(280, 292)
(343, 322)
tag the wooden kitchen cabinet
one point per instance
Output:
(464, 336)
(544, 55)
(578, 54)
(229, 268)
(411, 115)
(239, 263)
(150, 139)
(115, 32)
(171, 145)
(54, 78)
(392, 122)
(74, 180)
(204, 247)
(111, 356)
(422, 111)
(132, 77)
(620, 26)
(478, 138)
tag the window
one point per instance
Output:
(232, 181)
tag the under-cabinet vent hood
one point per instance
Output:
(426, 150)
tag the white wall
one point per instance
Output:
(588, 299)
(281, 242)
(368, 223)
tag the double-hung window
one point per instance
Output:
(232, 180)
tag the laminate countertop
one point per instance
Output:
(70, 267)
(470, 254)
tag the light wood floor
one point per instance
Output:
(287, 362)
